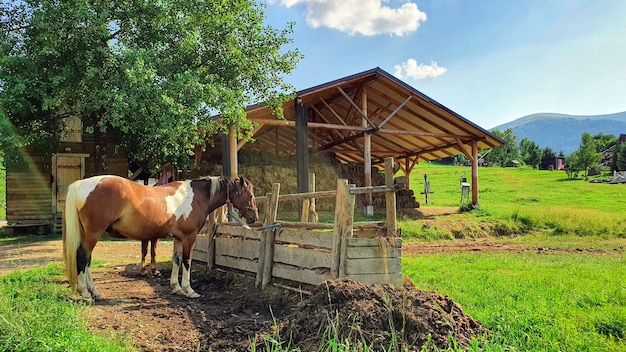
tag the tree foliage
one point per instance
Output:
(530, 152)
(548, 153)
(158, 70)
(503, 155)
(603, 141)
(585, 156)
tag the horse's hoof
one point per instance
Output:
(178, 291)
(193, 294)
(156, 273)
(143, 273)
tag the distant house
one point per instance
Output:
(554, 163)
(607, 155)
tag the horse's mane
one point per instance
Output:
(217, 182)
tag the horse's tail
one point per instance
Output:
(72, 233)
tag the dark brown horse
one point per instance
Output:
(124, 208)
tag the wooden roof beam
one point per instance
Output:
(325, 119)
(415, 116)
(339, 142)
(356, 107)
(462, 149)
(395, 111)
(333, 112)
(425, 107)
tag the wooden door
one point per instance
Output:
(66, 168)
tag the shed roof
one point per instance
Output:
(403, 122)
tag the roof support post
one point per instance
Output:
(367, 156)
(474, 172)
(302, 146)
(229, 156)
(225, 156)
(232, 147)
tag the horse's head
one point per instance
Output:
(244, 201)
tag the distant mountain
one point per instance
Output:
(562, 132)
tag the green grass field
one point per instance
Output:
(532, 200)
(532, 301)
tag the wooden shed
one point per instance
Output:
(365, 118)
(37, 180)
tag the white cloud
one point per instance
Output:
(365, 17)
(410, 69)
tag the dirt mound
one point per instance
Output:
(381, 316)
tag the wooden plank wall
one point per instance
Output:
(29, 188)
(115, 161)
(29, 199)
(303, 256)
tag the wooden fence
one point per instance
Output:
(306, 252)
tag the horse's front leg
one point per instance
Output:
(177, 259)
(188, 244)
(153, 252)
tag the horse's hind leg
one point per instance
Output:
(90, 285)
(144, 252)
(153, 251)
(188, 244)
(85, 283)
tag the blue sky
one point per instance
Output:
(491, 61)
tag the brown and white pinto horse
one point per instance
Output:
(124, 208)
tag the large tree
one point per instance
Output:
(158, 70)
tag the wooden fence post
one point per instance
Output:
(344, 211)
(308, 204)
(270, 218)
(312, 212)
(348, 232)
(211, 224)
(270, 236)
(390, 199)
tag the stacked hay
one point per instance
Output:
(265, 169)
(405, 199)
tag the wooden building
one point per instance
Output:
(365, 118)
(37, 180)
